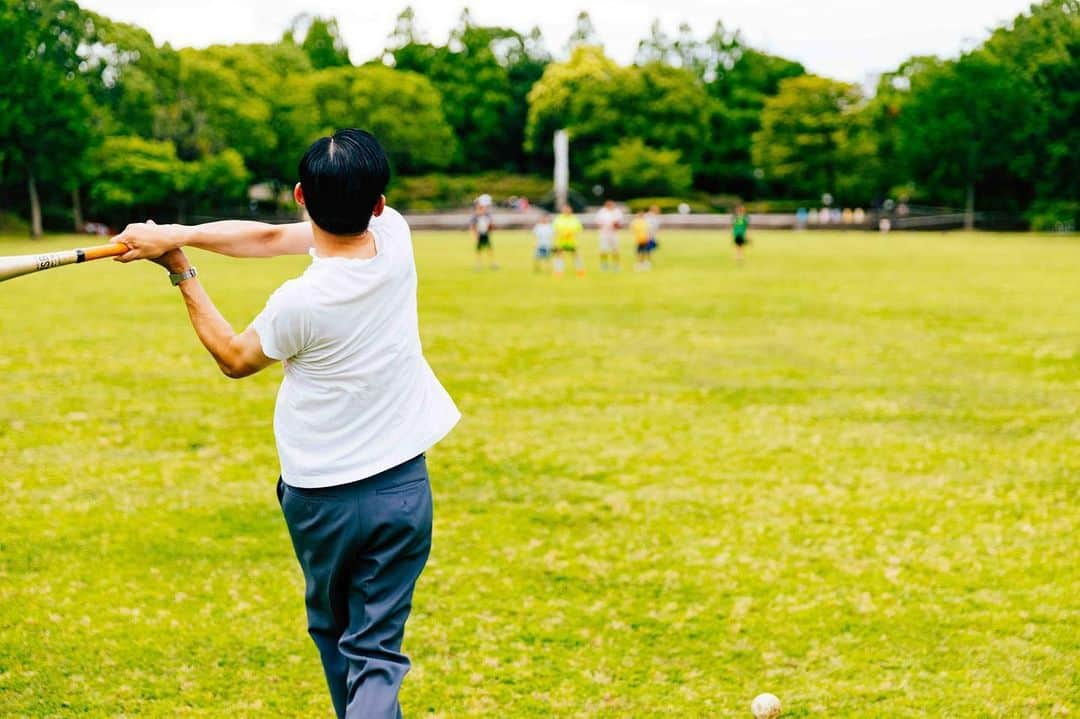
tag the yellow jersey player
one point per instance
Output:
(567, 229)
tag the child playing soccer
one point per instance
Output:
(608, 220)
(545, 242)
(567, 228)
(639, 227)
(739, 229)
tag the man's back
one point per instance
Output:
(358, 396)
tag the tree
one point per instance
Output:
(377, 99)
(953, 137)
(44, 106)
(233, 97)
(405, 32)
(600, 103)
(634, 169)
(805, 129)
(657, 47)
(584, 33)
(135, 178)
(1042, 46)
(668, 107)
(322, 41)
(740, 80)
(484, 75)
(131, 81)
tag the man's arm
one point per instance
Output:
(238, 355)
(236, 238)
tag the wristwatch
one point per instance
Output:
(178, 277)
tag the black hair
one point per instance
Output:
(343, 177)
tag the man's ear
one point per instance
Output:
(379, 206)
(298, 194)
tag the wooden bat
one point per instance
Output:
(17, 265)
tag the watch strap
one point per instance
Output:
(178, 277)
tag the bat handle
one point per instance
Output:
(99, 251)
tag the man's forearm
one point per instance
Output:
(213, 329)
(243, 238)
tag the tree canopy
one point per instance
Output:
(694, 115)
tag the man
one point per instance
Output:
(356, 411)
(481, 224)
(567, 228)
(608, 220)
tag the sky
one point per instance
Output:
(845, 39)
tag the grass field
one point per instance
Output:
(846, 473)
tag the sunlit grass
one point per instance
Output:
(845, 473)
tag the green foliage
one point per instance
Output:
(1055, 216)
(44, 105)
(131, 172)
(633, 168)
(322, 42)
(1042, 46)
(220, 179)
(667, 205)
(952, 136)
(843, 472)
(402, 109)
(584, 95)
(133, 82)
(484, 75)
(589, 96)
(13, 224)
(490, 99)
(133, 178)
(743, 79)
(324, 46)
(430, 192)
(809, 138)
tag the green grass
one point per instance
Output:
(846, 473)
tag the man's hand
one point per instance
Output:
(148, 241)
(175, 261)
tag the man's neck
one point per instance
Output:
(358, 247)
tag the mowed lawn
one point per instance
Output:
(846, 473)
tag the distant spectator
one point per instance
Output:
(801, 218)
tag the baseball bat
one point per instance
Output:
(18, 265)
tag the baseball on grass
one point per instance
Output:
(765, 706)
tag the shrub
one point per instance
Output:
(1054, 216)
(633, 168)
(666, 204)
(10, 223)
(431, 192)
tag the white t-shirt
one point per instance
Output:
(358, 396)
(608, 221)
(545, 235)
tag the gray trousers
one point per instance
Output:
(362, 547)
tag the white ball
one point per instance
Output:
(765, 706)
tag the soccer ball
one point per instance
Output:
(765, 706)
